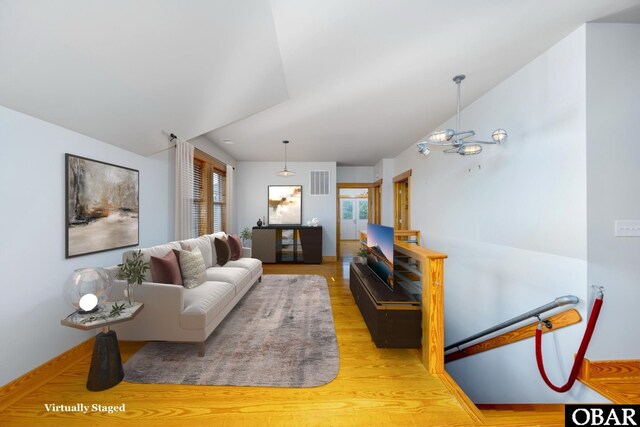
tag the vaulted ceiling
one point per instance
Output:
(352, 81)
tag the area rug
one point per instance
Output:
(281, 334)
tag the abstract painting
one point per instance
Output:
(101, 206)
(285, 204)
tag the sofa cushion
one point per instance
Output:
(221, 235)
(238, 277)
(192, 268)
(204, 244)
(222, 251)
(166, 269)
(235, 245)
(147, 253)
(252, 264)
(204, 303)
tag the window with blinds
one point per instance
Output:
(209, 201)
(218, 194)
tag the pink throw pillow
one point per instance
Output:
(166, 269)
(236, 247)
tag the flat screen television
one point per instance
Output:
(380, 252)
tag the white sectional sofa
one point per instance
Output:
(175, 313)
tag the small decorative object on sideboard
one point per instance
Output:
(259, 223)
(87, 289)
(362, 255)
(132, 270)
(315, 222)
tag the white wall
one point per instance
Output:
(213, 150)
(32, 227)
(252, 180)
(513, 222)
(613, 165)
(384, 170)
(359, 174)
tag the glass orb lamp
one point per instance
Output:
(87, 289)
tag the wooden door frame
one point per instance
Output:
(376, 197)
(339, 186)
(398, 181)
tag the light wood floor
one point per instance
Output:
(374, 387)
(348, 248)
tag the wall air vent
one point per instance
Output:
(319, 183)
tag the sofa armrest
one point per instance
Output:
(155, 294)
(160, 317)
(246, 252)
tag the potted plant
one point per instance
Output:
(362, 255)
(132, 270)
(245, 235)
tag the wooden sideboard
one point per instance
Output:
(287, 244)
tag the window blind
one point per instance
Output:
(209, 198)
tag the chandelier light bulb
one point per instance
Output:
(442, 136)
(499, 136)
(470, 149)
(423, 149)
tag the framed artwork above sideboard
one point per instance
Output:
(285, 205)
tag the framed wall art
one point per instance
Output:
(285, 204)
(102, 206)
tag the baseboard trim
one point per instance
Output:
(472, 410)
(329, 259)
(37, 377)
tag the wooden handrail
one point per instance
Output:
(408, 236)
(430, 271)
(559, 320)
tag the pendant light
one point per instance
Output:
(285, 172)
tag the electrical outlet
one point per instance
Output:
(627, 228)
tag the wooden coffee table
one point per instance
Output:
(106, 363)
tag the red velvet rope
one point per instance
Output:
(593, 318)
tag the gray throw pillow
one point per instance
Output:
(194, 272)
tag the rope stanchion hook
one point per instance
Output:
(545, 322)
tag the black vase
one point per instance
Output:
(259, 222)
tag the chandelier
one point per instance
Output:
(457, 139)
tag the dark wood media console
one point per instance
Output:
(287, 244)
(394, 320)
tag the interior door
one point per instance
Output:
(348, 220)
(362, 214)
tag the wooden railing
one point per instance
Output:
(421, 268)
(407, 236)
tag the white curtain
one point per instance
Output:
(184, 190)
(231, 221)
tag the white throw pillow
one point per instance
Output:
(194, 272)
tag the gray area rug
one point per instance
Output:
(281, 334)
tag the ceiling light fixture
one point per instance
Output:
(285, 171)
(456, 139)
